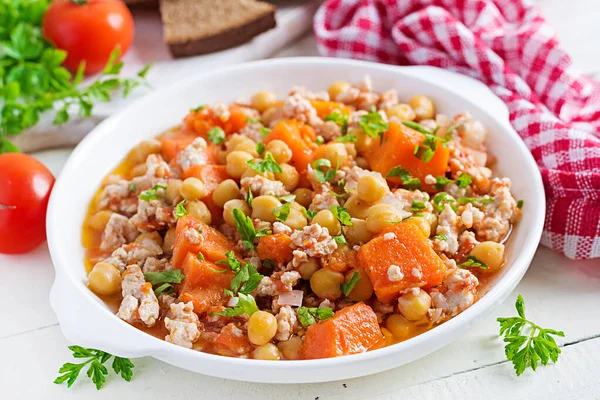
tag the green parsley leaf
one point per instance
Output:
(288, 199)
(216, 135)
(342, 215)
(408, 181)
(132, 187)
(249, 197)
(474, 262)
(200, 256)
(264, 131)
(319, 140)
(245, 305)
(340, 239)
(245, 227)
(268, 263)
(245, 280)
(252, 120)
(164, 280)
(267, 164)
(282, 212)
(441, 237)
(308, 315)
(451, 130)
(440, 199)
(323, 171)
(232, 263)
(347, 139)
(96, 371)
(441, 181)
(310, 214)
(520, 204)
(417, 127)
(339, 119)
(199, 108)
(180, 210)
(264, 232)
(417, 206)
(481, 200)
(463, 180)
(528, 344)
(426, 150)
(348, 286)
(150, 194)
(373, 124)
(260, 148)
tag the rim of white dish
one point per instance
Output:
(515, 273)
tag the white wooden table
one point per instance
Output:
(559, 293)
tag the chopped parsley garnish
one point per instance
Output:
(323, 171)
(216, 135)
(417, 127)
(180, 210)
(282, 212)
(264, 232)
(199, 108)
(267, 164)
(417, 206)
(520, 204)
(288, 199)
(232, 263)
(309, 315)
(249, 197)
(441, 181)
(426, 150)
(245, 227)
(245, 280)
(451, 129)
(340, 239)
(528, 343)
(408, 181)
(132, 187)
(164, 280)
(319, 139)
(339, 119)
(201, 256)
(441, 198)
(342, 215)
(373, 124)
(97, 371)
(347, 139)
(310, 214)
(348, 286)
(463, 181)
(260, 148)
(482, 200)
(339, 195)
(474, 262)
(264, 131)
(245, 305)
(441, 237)
(150, 194)
(252, 120)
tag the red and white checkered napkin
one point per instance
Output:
(509, 46)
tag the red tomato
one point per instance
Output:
(25, 185)
(88, 31)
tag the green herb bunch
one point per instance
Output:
(32, 79)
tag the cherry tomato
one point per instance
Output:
(25, 185)
(88, 31)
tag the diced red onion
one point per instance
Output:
(293, 298)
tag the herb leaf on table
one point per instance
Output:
(96, 371)
(528, 344)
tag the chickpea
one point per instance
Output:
(193, 189)
(169, 241)
(363, 142)
(237, 163)
(262, 327)
(388, 337)
(356, 207)
(290, 349)
(423, 107)
(280, 150)
(249, 173)
(422, 224)
(232, 205)
(139, 170)
(363, 290)
(400, 328)
(381, 216)
(225, 191)
(173, 191)
(99, 220)
(296, 219)
(236, 140)
(358, 233)
(263, 206)
(104, 279)
(325, 283)
(491, 253)
(266, 352)
(270, 115)
(336, 153)
(403, 112)
(289, 177)
(199, 211)
(263, 100)
(154, 236)
(350, 149)
(140, 152)
(249, 147)
(327, 220)
(303, 196)
(308, 268)
(371, 188)
(336, 88)
(414, 307)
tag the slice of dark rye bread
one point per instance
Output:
(192, 27)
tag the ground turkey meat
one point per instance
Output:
(139, 301)
(314, 240)
(287, 323)
(194, 154)
(119, 231)
(261, 186)
(182, 324)
(457, 293)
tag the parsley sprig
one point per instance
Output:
(323, 170)
(528, 344)
(309, 315)
(474, 262)
(151, 194)
(408, 181)
(245, 305)
(373, 124)
(245, 227)
(348, 286)
(97, 371)
(216, 135)
(163, 281)
(339, 119)
(426, 150)
(267, 164)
